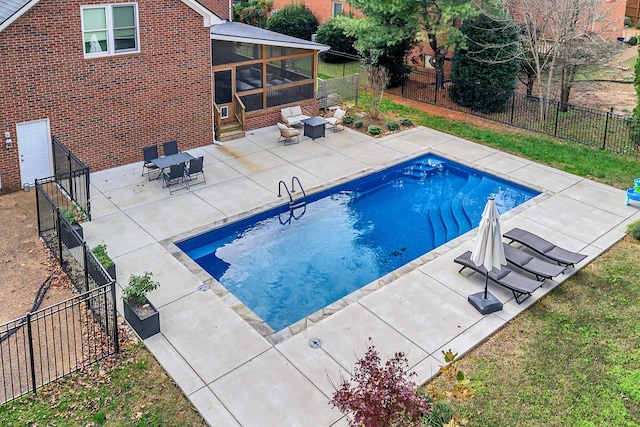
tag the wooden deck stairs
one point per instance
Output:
(230, 132)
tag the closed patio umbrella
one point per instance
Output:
(488, 252)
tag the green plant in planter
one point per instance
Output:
(136, 290)
(358, 124)
(347, 120)
(74, 213)
(374, 130)
(102, 256)
(405, 121)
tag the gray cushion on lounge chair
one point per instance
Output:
(544, 247)
(521, 286)
(542, 269)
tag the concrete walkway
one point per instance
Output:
(234, 371)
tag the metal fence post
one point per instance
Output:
(606, 127)
(555, 127)
(116, 338)
(513, 107)
(32, 362)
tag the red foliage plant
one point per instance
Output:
(381, 396)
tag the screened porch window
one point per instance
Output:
(110, 29)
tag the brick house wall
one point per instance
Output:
(219, 7)
(106, 109)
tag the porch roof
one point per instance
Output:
(238, 32)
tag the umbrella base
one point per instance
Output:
(485, 305)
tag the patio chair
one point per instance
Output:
(336, 119)
(536, 266)
(521, 286)
(149, 153)
(195, 169)
(544, 247)
(170, 147)
(287, 134)
(176, 175)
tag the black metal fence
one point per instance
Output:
(50, 343)
(333, 64)
(72, 177)
(595, 128)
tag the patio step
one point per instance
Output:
(230, 135)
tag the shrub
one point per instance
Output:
(358, 124)
(347, 120)
(392, 125)
(634, 230)
(332, 34)
(484, 78)
(627, 21)
(138, 287)
(74, 213)
(405, 122)
(633, 40)
(294, 20)
(374, 130)
(252, 12)
(382, 396)
(102, 256)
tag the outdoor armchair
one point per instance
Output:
(336, 119)
(175, 176)
(170, 147)
(195, 169)
(149, 153)
(287, 134)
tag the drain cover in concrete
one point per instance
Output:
(203, 288)
(315, 343)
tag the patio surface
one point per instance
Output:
(238, 374)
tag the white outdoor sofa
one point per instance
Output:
(293, 115)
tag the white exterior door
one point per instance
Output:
(34, 150)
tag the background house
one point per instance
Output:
(322, 9)
(108, 79)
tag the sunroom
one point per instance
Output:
(256, 72)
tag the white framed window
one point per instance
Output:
(110, 29)
(337, 8)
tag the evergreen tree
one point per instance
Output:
(333, 34)
(484, 74)
(294, 20)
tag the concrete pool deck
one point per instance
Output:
(234, 372)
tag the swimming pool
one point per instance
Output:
(285, 268)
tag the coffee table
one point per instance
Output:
(314, 127)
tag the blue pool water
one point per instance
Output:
(285, 269)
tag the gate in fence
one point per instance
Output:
(340, 89)
(72, 178)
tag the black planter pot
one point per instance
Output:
(98, 276)
(144, 327)
(69, 240)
